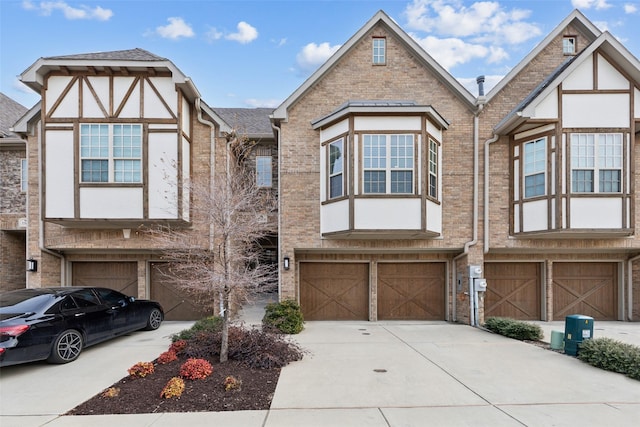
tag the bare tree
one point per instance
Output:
(225, 266)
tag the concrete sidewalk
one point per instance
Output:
(387, 374)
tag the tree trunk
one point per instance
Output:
(224, 345)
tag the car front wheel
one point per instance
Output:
(67, 347)
(154, 320)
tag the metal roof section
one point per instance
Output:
(382, 107)
(575, 18)
(125, 61)
(252, 122)
(281, 113)
(606, 43)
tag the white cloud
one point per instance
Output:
(46, 8)
(602, 25)
(313, 55)
(246, 33)
(483, 21)
(630, 8)
(262, 103)
(213, 34)
(588, 4)
(450, 52)
(176, 29)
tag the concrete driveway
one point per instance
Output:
(387, 374)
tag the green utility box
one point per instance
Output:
(577, 328)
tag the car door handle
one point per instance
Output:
(79, 314)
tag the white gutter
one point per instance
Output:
(473, 306)
(486, 190)
(277, 130)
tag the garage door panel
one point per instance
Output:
(177, 303)
(588, 288)
(334, 291)
(411, 291)
(513, 290)
(120, 276)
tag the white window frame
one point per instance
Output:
(569, 45)
(23, 175)
(105, 151)
(535, 166)
(335, 170)
(264, 171)
(597, 154)
(432, 184)
(387, 162)
(379, 51)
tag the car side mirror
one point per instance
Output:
(132, 299)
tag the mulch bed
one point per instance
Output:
(142, 395)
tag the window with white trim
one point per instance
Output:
(535, 160)
(336, 169)
(433, 169)
(388, 164)
(264, 171)
(111, 153)
(569, 45)
(23, 175)
(596, 162)
(379, 50)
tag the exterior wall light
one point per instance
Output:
(32, 264)
(285, 263)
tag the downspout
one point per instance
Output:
(630, 287)
(474, 239)
(277, 131)
(41, 246)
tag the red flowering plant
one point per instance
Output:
(141, 369)
(195, 369)
(167, 357)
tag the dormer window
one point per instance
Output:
(569, 45)
(379, 51)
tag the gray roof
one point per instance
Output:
(254, 122)
(10, 112)
(136, 54)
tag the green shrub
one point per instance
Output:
(512, 328)
(207, 324)
(611, 355)
(285, 317)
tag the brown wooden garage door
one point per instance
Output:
(411, 291)
(513, 290)
(121, 276)
(587, 288)
(334, 291)
(177, 303)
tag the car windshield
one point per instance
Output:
(23, 302)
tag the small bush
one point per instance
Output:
(167, 357)
(286, 317)
(207, 324)
(195, 369)
(141, 369)
(178, 346)
(174, 388)
(516, 329)
(111, 392)
(232, 383)
(611, 355)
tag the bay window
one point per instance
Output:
(336, 169)
(111, 153)
(596, 162)
(388, 163)
(535, 155)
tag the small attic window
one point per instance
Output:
(379, 50)
(569, 45)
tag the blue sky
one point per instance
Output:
(242, 53)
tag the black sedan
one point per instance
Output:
(55, 324)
